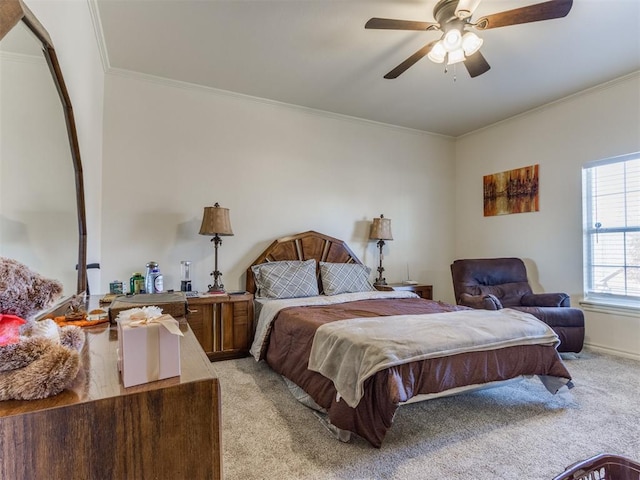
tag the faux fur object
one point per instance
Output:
(44, 361)
(37, 359)
(24, 292)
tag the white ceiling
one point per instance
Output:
(317, 54)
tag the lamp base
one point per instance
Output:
(380, 281)
(216, 289)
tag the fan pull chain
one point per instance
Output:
(446, 70)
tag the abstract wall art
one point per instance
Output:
(512, 191)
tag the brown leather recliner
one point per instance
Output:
(495, 283)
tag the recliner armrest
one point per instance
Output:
(485, 302)
(545, 300)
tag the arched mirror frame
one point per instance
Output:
(11, 13)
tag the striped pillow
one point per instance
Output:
(286, 279)
(344, 278)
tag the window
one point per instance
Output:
(611, 191)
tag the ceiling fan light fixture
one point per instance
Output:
(437, 52)
(452, 40)
(455, 56)
(457, 44)
(471, 43)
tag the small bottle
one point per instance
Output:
(153, 282)
(149, 276)
(136, 283)
(185, 282)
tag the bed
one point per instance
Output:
(356, 354)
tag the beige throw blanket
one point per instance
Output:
(350, 351)
(270, 309)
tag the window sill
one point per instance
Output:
(631, 309)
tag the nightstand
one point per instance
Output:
(424, 291)
(223, 324)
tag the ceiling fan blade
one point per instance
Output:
(392, 24)
(465, 8)
(476, 64)
(400, 69)
(532, 13)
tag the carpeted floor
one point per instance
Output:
(518, 431)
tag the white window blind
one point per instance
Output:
(611, 193)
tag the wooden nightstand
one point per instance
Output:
(223, 324)
(424, 291)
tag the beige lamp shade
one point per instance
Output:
(381, 229)
(215, 221)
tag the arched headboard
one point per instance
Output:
(303, 246)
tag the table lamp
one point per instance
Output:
(215, 221)
(381, 231)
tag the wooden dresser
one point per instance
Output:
(98, 429)
(223, 324)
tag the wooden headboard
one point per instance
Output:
(303, 246)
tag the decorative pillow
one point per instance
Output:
(344, 278)
(24, 292)
(286, 279)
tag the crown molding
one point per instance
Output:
(568, 98)
(241, 96)
(97, 28)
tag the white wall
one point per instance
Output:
(172, 149)
(561, 137)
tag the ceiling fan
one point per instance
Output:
(457, 42)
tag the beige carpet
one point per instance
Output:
(518, 431)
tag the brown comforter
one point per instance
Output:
(291, 338)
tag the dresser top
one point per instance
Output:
(99, 377)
